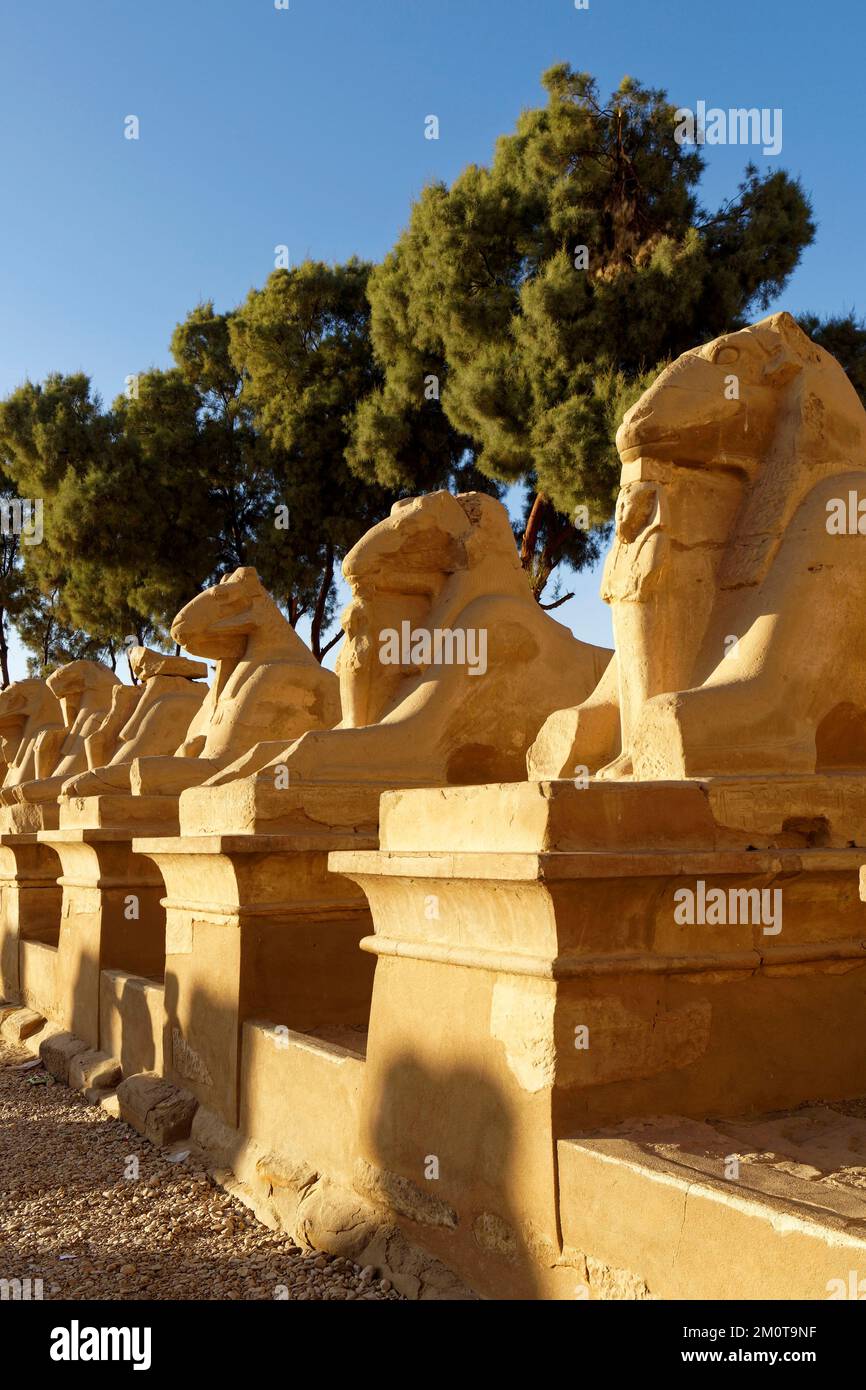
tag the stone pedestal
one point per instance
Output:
(537, 976)
(28, 817)
(111, 918)
(256, 926)
(140, 815)
(29, 911)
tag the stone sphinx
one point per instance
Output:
(84, 690)
(144, 719)
(28, 709)
(449, 666)
(739, 629)
(268, 685)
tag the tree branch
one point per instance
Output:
(333, 642)
(548, 606)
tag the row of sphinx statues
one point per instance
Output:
(438, 562)
(739, 630)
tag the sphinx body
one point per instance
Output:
(268, 684)
(28, 710)
(145, 719)
(739, 628)
(84, 691)
(448, 667)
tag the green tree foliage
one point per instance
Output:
(233, 456)
(538, 346)
(56, 444)
(844, 336)
(302, 344)
(124, 511)
(15, 596)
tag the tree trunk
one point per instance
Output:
(530, 535)
(321, 601)
(4, 652)
(539, 567)
(46, 643)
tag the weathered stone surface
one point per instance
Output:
(414, 1272)
(767, 1207)
(21, 1024)
(27, 709)
(147, 663)
(495, 1235)
(268, 685)
(84, 690)
(106, 1100)
(58, 1052)
(93, 1070)
(402, 1195)
(143, 718)
(158, 1110)
(171, 1119)
(138, 1094)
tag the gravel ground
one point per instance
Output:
(70, 1217)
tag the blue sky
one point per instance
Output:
(305, 127)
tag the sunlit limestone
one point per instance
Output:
(439, 647)
(714, 907)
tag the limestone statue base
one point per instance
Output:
(551, 959)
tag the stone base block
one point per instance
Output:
(259, 805)
(256, 928)
(158, 1110)
(26, 817)
(767, 1208)
(37, 965)
(132, 1021)
(111, 919)
(94, 1071)
(58, 1053)
(21, 1024)
(554, 957)
(300, 1096)
(140, 815)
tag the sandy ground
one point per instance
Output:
(96, 1212)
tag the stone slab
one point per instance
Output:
(769, 1207)
(21, 1024)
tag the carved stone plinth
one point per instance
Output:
(28, 817)
(256, 927)
(29, 912)
(137, 815)
(111, 918)
(538, 973)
